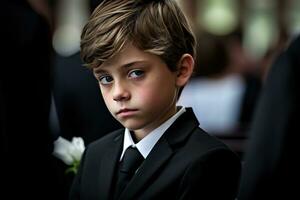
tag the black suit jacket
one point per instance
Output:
(186, 163)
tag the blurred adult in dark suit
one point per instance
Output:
(25, 99)
(271, 159)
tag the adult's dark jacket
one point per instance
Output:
(26, 143)
(271, 167)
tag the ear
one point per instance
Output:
(185, 69)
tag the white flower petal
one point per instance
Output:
(78, 147)
(63, 149)
(67, 159)
(78, 143)
(68, 151)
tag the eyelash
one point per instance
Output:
(133, 74)
(104, 78)
(138, 73)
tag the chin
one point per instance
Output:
(132, 126)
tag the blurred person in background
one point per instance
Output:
(271, 169)
(224, 88)
(26, 142)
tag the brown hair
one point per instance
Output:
(158, 27)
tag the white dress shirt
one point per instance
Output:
(145, 145)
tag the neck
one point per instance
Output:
(143, 132)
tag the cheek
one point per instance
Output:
(146, 95)
(106, 98)
(153, 97)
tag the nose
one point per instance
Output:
(120, 92)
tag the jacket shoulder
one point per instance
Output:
(201, 143)
(107, 139)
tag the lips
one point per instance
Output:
(126, 112)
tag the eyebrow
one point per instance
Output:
(127, 65)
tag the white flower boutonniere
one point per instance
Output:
(69, 152)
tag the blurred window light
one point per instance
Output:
(293, 17)
(261, 28)
(261, 4)
(260, 32)
(71, 17)
(218, 17)
(66, 40)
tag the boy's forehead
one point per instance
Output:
(129, 54)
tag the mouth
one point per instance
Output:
(126, 112)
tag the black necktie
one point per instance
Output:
(132, 159)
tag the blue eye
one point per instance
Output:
(105, 80)
(136, 73)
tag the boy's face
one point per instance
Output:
(138, 89)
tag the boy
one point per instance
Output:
(141, 52)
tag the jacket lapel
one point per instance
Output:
(108, 168)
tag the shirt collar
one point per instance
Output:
(147, 143)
